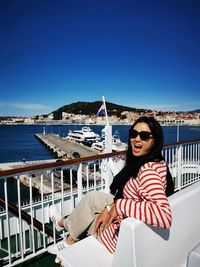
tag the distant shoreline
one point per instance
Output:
(93, 124)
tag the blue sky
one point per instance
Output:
(143, 54)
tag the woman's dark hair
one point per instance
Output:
(157, 132)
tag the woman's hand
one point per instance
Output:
(111, 216)
(101, 221)
(104, 219)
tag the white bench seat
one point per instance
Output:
(88, 252)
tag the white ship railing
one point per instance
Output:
(24, 237)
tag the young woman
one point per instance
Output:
(139, 190)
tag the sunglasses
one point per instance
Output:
(144, 135)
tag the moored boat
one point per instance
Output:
(85, 136)
(117, 145)
(99, 146)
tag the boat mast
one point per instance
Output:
(106, 114)
(108, 148)
(108, 131)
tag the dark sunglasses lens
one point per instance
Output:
(133, 133)
(145, 135)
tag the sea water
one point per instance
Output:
(18, 142)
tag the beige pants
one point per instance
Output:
(84, 215)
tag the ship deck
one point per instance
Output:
(33, 216)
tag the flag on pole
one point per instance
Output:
(101, 111)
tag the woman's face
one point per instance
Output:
(141, 147)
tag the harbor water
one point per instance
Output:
(18, 142)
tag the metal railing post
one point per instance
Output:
(179, 164)
(79, 181)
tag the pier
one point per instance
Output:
(65, 148)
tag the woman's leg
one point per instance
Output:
(86, 212)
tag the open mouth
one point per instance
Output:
(137, 147)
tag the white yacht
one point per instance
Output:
(99, 146)
(85, 136)
(117, 145)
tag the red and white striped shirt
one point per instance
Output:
(144, 199)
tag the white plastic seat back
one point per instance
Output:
(140, 245)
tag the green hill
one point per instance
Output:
(91, 108)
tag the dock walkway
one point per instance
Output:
(65, 148)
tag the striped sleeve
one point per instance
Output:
(151, 206)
